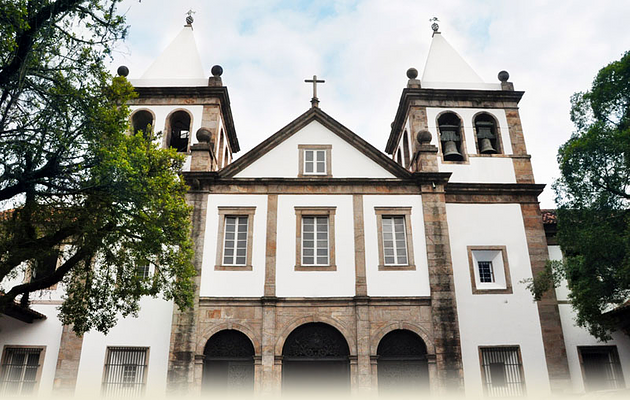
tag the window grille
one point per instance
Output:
(19, 370)
(315, 240)
(602, 369)
(486, 274)
(235, 245)
(502, 371)
(125, 371)
(315, 161)
(394, 240)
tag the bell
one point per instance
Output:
(451, 153)
(486, 147)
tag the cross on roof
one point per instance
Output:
(315, 81)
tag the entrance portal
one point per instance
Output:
(402, 362)
(315, 357)
(229, 362)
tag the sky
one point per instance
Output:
(363, 48)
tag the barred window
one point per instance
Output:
(502, 371)
(315, 240)
(485, 271)
(601, 368)
(235, 247)
(125, 371)
(394, 240)
(19, 373)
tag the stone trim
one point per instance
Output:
(376, 338)
(359, 246)
(239, 212)
(301, 212)
(313, 301)
(327, 147)
(270, 250)
(67, 369)
(290, 327)
(211, 330)
(395, 211)
(38, 376)
(506, 270)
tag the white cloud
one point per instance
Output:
(363, 48)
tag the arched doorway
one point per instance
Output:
(402, 362)
(315, 357)
(229, 362)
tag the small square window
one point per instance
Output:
(315, 241)
(125, 371)
(489, 270)
(395, 249)
(315, 161)
(502, 371)
(19, 374)
(235, 237)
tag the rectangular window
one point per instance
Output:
(489, 270)
(502, 371)
(20, 370)
(125, 371)
(485, 271)
(601, 368)
(315, 241)
(395, 244)
(315, 160)
(235, 237)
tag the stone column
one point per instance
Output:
(364, 372)
(269, 368)
(67, 369)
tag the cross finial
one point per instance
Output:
(315, 81)
(434, 25)
(189, 18)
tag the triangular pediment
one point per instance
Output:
(279, 155)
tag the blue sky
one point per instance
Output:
(363, 48)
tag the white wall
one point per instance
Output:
(234, 283)
(495, 319)
(497, 169)
(575, 336)
(395, 283)
(151, 329)
(283, 160)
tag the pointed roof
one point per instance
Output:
(314, 114)
(178, 65)
(446, 69)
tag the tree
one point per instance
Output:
(73, 182)
(593, 199)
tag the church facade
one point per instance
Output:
(325, 262)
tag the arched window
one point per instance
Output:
(229, 362)
(451, 138)
(402, 362)
(487, 134)
(179, 123)
(142, 120)
(406, 151)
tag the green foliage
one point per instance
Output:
(73, 180)
(593, 197)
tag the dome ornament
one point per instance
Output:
(434, 25)
(189, 18)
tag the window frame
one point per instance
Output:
(229, 211)
(42, 354)
(404, 212)
(484, 377)
(315, 211)
(475, 280)
(610, 350)
(104, 383)
(302, 148)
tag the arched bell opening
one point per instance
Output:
(451, 138)
(142, 120)
(179, 130)
(229, 362)
(487, 134)
(315, 358)
(402, 363)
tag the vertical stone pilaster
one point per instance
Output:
(210, 119)
(418, 121)
(270, 251)
(364, 376)
(67, 369)
(269, 368)
(448, 360)
(548, 312)
(181, 369)
(359, 246)
(521, 160)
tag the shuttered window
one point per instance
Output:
(235, 244)
(315, 240)
(394, 240)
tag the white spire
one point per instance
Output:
(446, 69)
(178, 65)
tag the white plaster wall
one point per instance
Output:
(42, 333)
(151, 329)
(495, 319)
(395, 283)
(283, 160)
(291, 283)
(498, 169)
(575, 336)
(234, 283)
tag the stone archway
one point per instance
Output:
(402, 362)
(315, 357)
(229, 362)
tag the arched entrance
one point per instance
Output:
(315, 357)
(229, 362)
(402, 362)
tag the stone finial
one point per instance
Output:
(413, 82)
(503, 77)
(204, 135)
(215, 79)
(423, 137)
(122, 71)
(217, 70)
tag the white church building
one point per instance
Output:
(325, 262)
